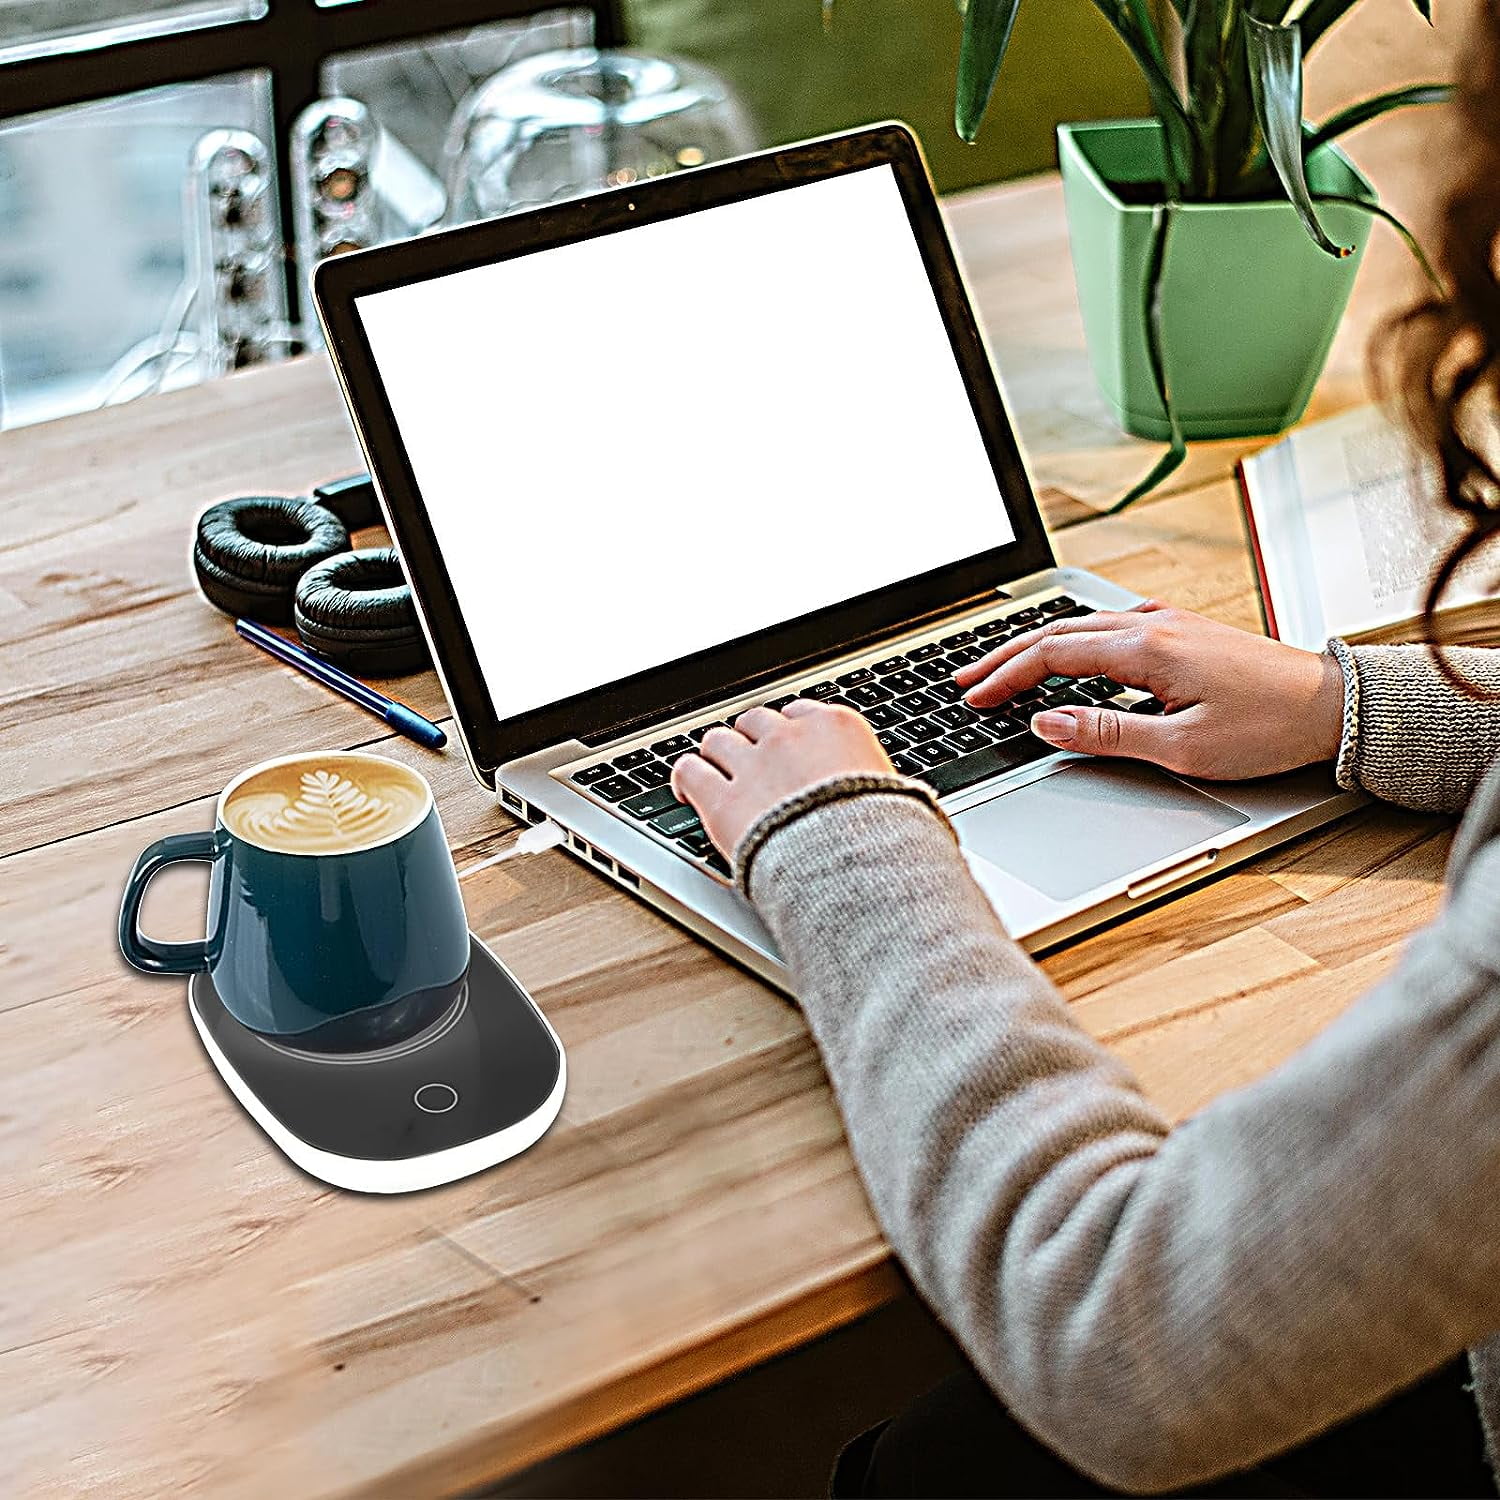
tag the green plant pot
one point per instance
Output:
(1249, 303)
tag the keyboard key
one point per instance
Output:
(924, 653)
(967, 740)
(916, 703)
(1148, 706)
(676, 755)
(904, 682)
(955, 716)
(906, 766)
(935, 671)
(716, 862)
(1065, 698)
(1051, 684)
(1076, 613)
(632, 760)
(883, 716)
(856, 678)
(780, 703)
(649, 804)
(993, 760)
(891, 742)
(890, 664)
(821, 690)
(1094, 689)
(1113, 686)
(696, 735)
(1030, 695)
(653, 773)
(991, 628)
(917, 730)
(615, 788)
(868, 695)
(1057, 605)
(962, 638)
(933, 753)
(674, 746)
(945, 692)
(1006, 726)
(964, 655)
(592, 774)
(1025, 617)
(696, 843)
(676, 821)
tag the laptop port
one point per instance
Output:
(628, 877)
(599, 857)
(513, 802)
(535, 815)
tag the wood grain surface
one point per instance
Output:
(182, 1311)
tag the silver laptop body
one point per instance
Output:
(543, 542)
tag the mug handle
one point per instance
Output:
(146, 952)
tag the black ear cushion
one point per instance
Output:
(249, 553)
(356, 610)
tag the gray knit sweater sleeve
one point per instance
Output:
(1158, 1305)
(1410, 735)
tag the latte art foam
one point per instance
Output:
(327, 806)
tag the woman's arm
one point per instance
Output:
(1241, 705)
(1159, 1306)
(1409, 734)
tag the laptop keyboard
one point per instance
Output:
(916, 710)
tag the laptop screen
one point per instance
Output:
(637, 447)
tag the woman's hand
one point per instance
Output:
(1238, 705)
(740, 773)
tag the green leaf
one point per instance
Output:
(986, 35)
(1376, 210)
(1178, 128)
(1140, 13)
(1151, 310)
(1276, 81)
(1317, 18)
(1359, 114)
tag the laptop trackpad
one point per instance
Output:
(1090, 822)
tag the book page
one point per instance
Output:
(1373, 527)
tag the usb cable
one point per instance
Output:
(544, 835)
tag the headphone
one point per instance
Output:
(287, 560)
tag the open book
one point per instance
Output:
(1347, 529)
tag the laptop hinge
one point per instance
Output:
(624, 728)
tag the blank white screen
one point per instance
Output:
(647, 444)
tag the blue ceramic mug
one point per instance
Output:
(334, 915)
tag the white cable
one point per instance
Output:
(545, 835)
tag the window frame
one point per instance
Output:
(289, 44)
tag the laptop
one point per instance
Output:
(727, 437)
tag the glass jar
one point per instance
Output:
(563, 124)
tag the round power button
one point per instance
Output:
(435, 1098)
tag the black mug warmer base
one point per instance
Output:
(479, 1085)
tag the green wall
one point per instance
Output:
(884, 59)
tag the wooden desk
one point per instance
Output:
(181, 1310)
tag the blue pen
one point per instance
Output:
(402, 719)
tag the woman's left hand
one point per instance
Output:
(768, 756)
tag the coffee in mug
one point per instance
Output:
(335, 921)
(325, 805)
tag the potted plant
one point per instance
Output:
(1215, 244)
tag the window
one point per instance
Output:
(92, 245)
(101, 102)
